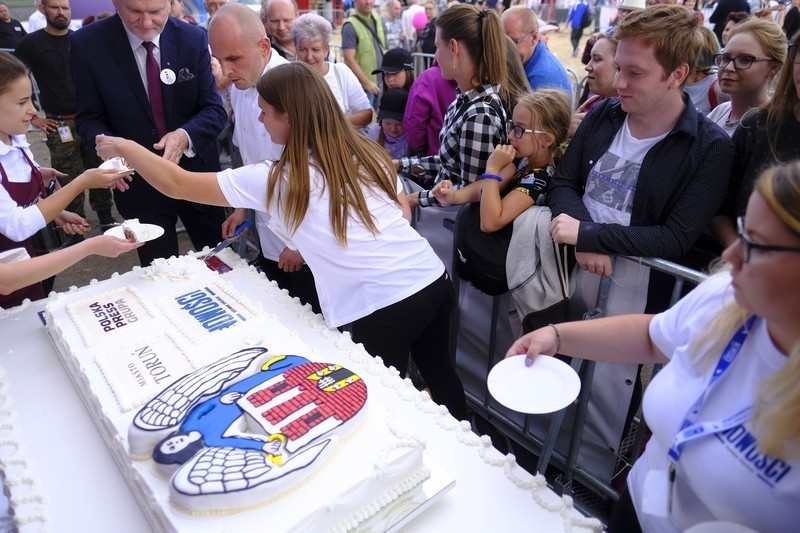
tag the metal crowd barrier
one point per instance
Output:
(421, 62)
(577, 86)
(521, 432)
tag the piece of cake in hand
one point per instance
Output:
(134, 231)
(116, 163)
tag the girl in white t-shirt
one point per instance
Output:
(725, 410)
(333, 195)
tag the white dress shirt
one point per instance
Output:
(255, 145)
(17, 222)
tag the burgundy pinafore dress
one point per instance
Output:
(24, 194)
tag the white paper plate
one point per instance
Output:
(546, 386)
(153, 232)
(15, 255)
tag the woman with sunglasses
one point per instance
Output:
(724, 411)
(766, 136)
(755, 52)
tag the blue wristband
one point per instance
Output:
(491, 177)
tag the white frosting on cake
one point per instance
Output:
(138, 371)
(22, 489)
(188, 317)
(115, 163)
(135, 229)
(109, 316)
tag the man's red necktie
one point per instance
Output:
(154, 90)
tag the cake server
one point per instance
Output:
(236, 235)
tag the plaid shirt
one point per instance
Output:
(472, 128)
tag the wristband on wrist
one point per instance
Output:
(558, 336)
(491, 177)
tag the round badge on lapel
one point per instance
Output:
(168, 76)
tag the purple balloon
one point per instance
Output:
(419, 21)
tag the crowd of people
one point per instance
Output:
(684, 138)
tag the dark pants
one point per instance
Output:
(575, 37)
(418, 325)
(73, 158)
(299, 284)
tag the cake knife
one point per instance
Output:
(236, 235)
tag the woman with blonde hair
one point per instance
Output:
(754, 55)
(470, 49)
(334, 195)
(725, 410)
(766, 136)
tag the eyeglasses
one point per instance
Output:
(748, 246)
(519, 131)
(793, 53)
(739, 63)
(522, 37)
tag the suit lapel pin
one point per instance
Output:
(168, 76)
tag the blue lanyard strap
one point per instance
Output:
(690, 429)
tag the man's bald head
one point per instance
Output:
(240, 44)
(238, 18)
(281, 15)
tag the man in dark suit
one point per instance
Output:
(133, 80)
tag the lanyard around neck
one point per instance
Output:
(690, 429)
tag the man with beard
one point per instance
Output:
(46, 53)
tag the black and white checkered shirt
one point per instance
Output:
(473, 125)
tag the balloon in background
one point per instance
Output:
(419, 21)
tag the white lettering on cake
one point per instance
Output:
(153, 364)
(207, 309)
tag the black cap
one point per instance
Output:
(393, 104)
(396, 60)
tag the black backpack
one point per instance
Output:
(481, 256)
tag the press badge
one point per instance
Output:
(66, 134)
(656, 493)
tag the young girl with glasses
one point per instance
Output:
(538, 128)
